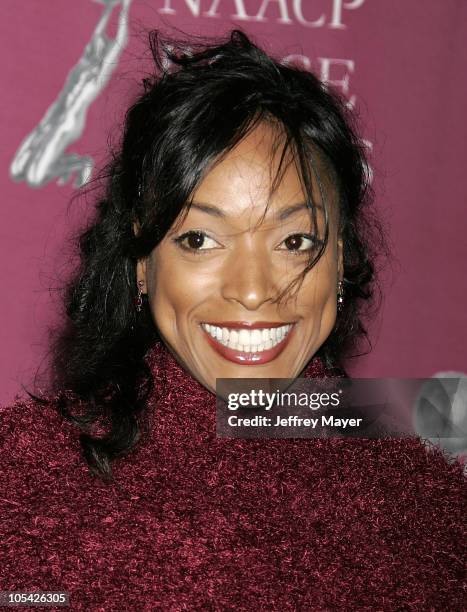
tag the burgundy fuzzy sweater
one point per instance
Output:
(196, 522)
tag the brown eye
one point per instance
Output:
(195, 242)
(299, 242)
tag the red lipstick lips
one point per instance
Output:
(251, 358)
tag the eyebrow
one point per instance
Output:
(285, 213)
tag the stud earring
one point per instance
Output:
(138, 298)
(340, 295)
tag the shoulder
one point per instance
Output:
(44, 473)
(402, 459)
(45, 491)
(35, 437)
(384, 475)
(408, 478)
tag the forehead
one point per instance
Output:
(258, 173)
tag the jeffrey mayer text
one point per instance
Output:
(292, 421)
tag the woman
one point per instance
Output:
(236, 212)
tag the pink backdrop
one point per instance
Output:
(403, 64)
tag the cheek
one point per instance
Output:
(175, 288)
(318, 291)
(317, 304)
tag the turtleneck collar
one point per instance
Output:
(164, 366)
(183, 404)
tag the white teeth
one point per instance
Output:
(244, 337)
(248, 340)
(256, 337)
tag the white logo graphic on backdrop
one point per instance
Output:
(309, 13)
(441, 406)
(41, 156)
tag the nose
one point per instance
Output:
(248, 278)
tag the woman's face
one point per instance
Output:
(211, 282)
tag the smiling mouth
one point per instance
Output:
(249, 344)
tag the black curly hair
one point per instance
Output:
(202, 98)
